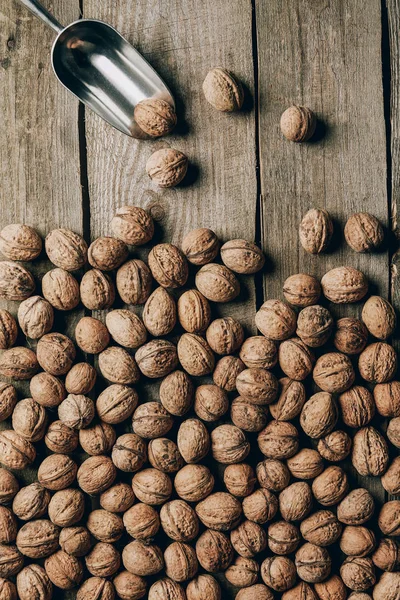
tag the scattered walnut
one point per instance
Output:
(387, 586)
(91, 335)
(223, 90)
(8, 400)
(298, 123)
(331, 486)
(332, 588)
(129, 453)
(217, 283)
(393, 432)
(126, 328)
(180, 561)
(11, 562)
(96, 588)
(194, 483)
(97, 290)
(116, 403)
(295, 501)
(333, 372)
(302, 590)
(33, 582)
(350, 335)
(378, 363)
(151, 420)
(103, 561)
(242, 572)
(258, 351)
(15, 451)
(214, 551)
(370, 452)
(335, 446)
(389, 518)
(66, 507)
(8, 526)
(107, 253)
(176, 393)
(314, 325)
(302, 290)
(279, 440)
(391, 479)
(225, 336)
(229, 444)
(134, 282)
(313, 563)
(97, 439)
(239, 479)
(8, 486)
(316, 231)
(47, 390)
(261, 506)
(38, 539)
(55, 353)
(321, 528)
(57, 472)
(66, 249)
(118, 366)
(296, 359)
(220, 511)
(141, 559)
(8, 591)
(306, 464)
(242, 257)
(167, 167)
(247, 415)
(64, 570)
(195, 355)
(259, 591)
(356, 508)
(194, 312)
(128, 586)
(105, 526)
(133, 225)
(379, 317)
(357, 406)
(357, 541)
(157, 358)
(29, 420)
(118, 498)
(16, 283)
(363, 232)
(96, 474)
(273, 474)
(75, 541)
(387, 399)
(152, 486)
(249, 539)
(166, 588)
(18, 363)
(76, 411)
(278, 573)
(81, 378)
(291, 400)
(283, 537)
(31, 502)
(344, 285)
(276, 320)
(200, 246)
(164, 455)
(193, 440)
(8, 328)
(211, 402)
(61, 289)
(159, 313)
(358, 573)
(387, 555)
(35, 317)
(319, 415)
(204, 587)
(60, 438)
(155, 117)
(20, 242)
(179, 521)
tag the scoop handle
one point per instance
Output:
(42, 13)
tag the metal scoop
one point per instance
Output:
(94, 62)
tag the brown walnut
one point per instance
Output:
(242, 257)
(96, 588)
(66, 507)
(220, 511)
(283, 537)
(335, 446)
(167, 167)
(96, 474)
(159, 315)
(249, 539)
(225, 336)
(11, 561)
(47, 390)
(387, 399)
(261, 506)
(66, 249)
(166, 588)
(296, 359)
(273, 474)
(64, 571)
(379, 317)
(155, 117)
(305, 464)
(370, 454)
(210, 404)
(164, 455)
(247, 415)
(204, 587)
(194, 482)
(16, 283)
(133, 225)
(242, 572)
(157, 358)
(97, 290)
(226, 372)
(152, 486)
(332, 589)
(278, 573)
(168, 266)
(180, 561)
(302, 290)
(363, 232)
(105, 526)
(31, 502)
(313, 563)
(298, 123)
(134, 282)
(129, 453)
(200, 246)
(290, 401)
(8, 328)
(321, 528)
(331, 486)
(18, 363)
(15, 451)
(8, 486)
(176, 393)
(276, 320)
(76, 411)
(193, 440)
(179, 521)
(141, 559)
(142, 522)
(258, 351)
(357, 541)
(378, 363)
(194, 311)
(107, 253)
(151, 420)
(80, 379)
(319, 415)
(350, 336)
(223, 90)
(60, 438)
(217, 283)
(33, 582)
(344, 285)
(118, 498)
(393, 432)
(57, 472)
(356, 508)
(61, 289)
(229, 444)
(118, 366)
(391, 479)
(214, 551)
(35, 317)
(75, 541)
(55, 353)
(195, 355)
(29, 419)
(358, 573)
(314, 325)
(387, 587)
(103, 561)
(116, 403)
(389, 518)
(257, 385)
(278, 440)
(295, 502)
(387, 555)
(333, 372)
(8, 526)
(37, 539)
(20, 242)
(239, 479)
(91, 335)
(357, 406)
(97, 439)
(315, 231)
(8, 400)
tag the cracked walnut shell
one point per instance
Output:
(167, 167)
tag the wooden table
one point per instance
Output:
(60, 165)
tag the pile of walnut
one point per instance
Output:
(273, 524)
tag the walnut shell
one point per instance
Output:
(75, 541)
(387, 399)
(31, 502)
(247, 415)
(332, 588)
(223, 90)
(205, 587)
(133, 225)
(193, 440)
(65, 571)
(8, 591)
(8, 328)
(118, 366)
(291, 400)
(276, 320)
(306, 464)
(315, 231)
(142, 522)
(321, 528)
(11, 561)
(176, 393)
(103, 561)
(214, 551)
(180, 561)
(273, 474)
(335, 446)
(391, 479)
(8, 526)
(295, 359)
(226, 372)
(319, 415)
(387, 586)
(229, 444)
(55, 353)
(134, 282)
(16, 283)
(225, 336)
(261, 506)
(278, 572)
(298, 123)
(393, 432)
(350, 336)
(141, 559)
(356, 508)
(379, 317)
(283, 537)
(357, 541)
(164, 455)
(389, 518)
(242, 572)
(257, 385)
(129, 453)
(91, 335)
(60, 438)
(159, 313)
(29, 420)
(331, 486)
(66, 249)
(358, 573)
(258, 351)
(20, 242)
(194, 482)
(242, 257)
(96, 474)
(248, 539)
(152, 486)
(38, 539)
(151, 420)
(295, 502)
(33, 582)
(166, 588)
(80, 379)
(118, 498)
(278, 440)
(15, 451)
(8, 400)
(195, 355)
(219, 511)
(200, 246)
(128, 586)
(239, 479)
(363, 232)
(167, 167)
(302, 290)
(357, 406)
(258, 591)
(211, 402)
(370, 452)
(105, 526)
(314, 325)
(157, 358)
(96, 588)
(301, 591)
(66, 507)
(194, 312)
(116, 403)
(97, 439)
(35, 317)
(179, 521)
(18, 363)
(107, 253)
(61, 289)
(8, 486)
(313, 563)
(57, 472)
(168, 266)
(333, 372)
(76, 411)
(344, 285)
(47, 390)
(387, 555)
(217, 283)
(378, 363)
(97, 290)
(126, 328)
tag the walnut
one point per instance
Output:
(258, 591)
(118, 498)
(350, 335)
(168, 266)
(229, 444)
(105, 526)
(249, 539)
(66, 249)
(8, 400)
(195, 355)
(194, 312)
(33, 582)
(314, 325)
(29, 420)
(126, 328)
(60, 438)
(18, 363)
(315, 231)
(278, 440)
(220, 511)
(239, 479)
(76, 411)
(96, 474)
(302, 290)
(333, 372)
(357, 541)
(103, 561)
(164, 455)
(247, 415)
(344, 285)
(391, 479)
(242, 257)
(211, 402)
(16, 283)
(357, 406)
(159, 313)
(302, 591)
(387, 587)
(370, 452)
(379, 317)
(217, 283)
(242, 572)
(258, 351)
(319, 415)
(387, 555)
(226, 372)
(393, 432)
(295, 502)
(214, 551)
(283, 537)
(200, 246)
(8, 328)
(331, 486)
(118, 366)
(134, 282)
(15, 451)
(204, 587)
(8, 526)
(11, 561)
(356, 508)
(38, 539)
(167, 167)
(20, 242)
(128, 586)
(107, 253)
(389, 518)
(116, 403)
(363, 232)
(151, 420)
(335, 446)
(298, 123)
(60, 289)
(31, 502)
(296, 359)
(97, 290)
(75, 541)
(35, 317)
(141, 559)
(8, 486)
(225, 336)
(291, 400)
(66, 507)
(129, 453)
(91, 335)
(179, 521)
(306, 464)
(321, 528)
(97, 439)
(273, 474)
(152, 486)
(276, 320)
(47, 390)
(8, 591)
(278, 573)
(332, 589)
(257, 385)
(313, 563)
(96, 588)
(180, 561)
(193, 440)
(194, 483)
(387, 399)
(261, 506)
(57, 472)
(157, 358)
(142, 522)
(80, 379)
(65, 571)
(358, 573)
(223, 90)
(176, 393)
(166, 588)
(378, 363)
(55, 353)
(133, 225)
